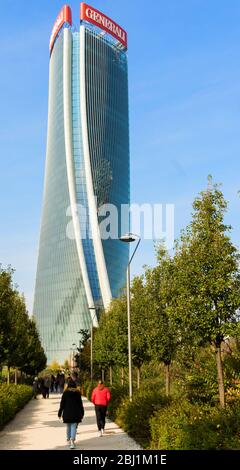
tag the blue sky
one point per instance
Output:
(184, 91)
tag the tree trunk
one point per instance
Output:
(167, 372)
(8, 375)
(220, 376)
(138, 377)
(122, 375)
(103, 375)
(15, 376)
(111, 375)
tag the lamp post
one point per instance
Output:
(91, 336)
(128, 238)
(74, 344)
(79, 349)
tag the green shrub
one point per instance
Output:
(12, 399)
(118, 394)
(134, 416)
(187, 426)
(87, 389)
(198, 378)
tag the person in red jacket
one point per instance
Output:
(100, 398)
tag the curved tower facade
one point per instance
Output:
(80, 265)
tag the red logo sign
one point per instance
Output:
(102, 21)
(65, 16)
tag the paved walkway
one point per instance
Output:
(38, 427)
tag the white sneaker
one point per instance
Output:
(72, 445)
(99, 433)
(102, 432)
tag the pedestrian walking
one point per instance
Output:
(71, 409)
(43, 388)
(61, 382)
(35, 387)
(57, 383)
(52, 383)
(47, 385)
(100, 398)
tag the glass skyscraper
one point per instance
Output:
(87, 167)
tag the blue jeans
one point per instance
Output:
(71, 431)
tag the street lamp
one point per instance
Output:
(79, 349)
(128, 238)
(91, 331)
(73, 362)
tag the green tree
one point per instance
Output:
(17, 333)
(140, 313)
(7, 296)
(163, 337)
(119, 331)
(110, 339)
(84, 351)
(207, 280)
(20, 346)
(35, 359)
(103, 345)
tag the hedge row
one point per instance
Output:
(160, 423)
(12, 399)
(134, 417)
(187, 426)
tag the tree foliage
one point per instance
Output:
(110, 340)
(207, 278)
(189, 301)
(20, 346)
(163, 335)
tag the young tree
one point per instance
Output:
(110, 340)
(140, 311)
(7, 296)
(118, 316)
(17, 334)
(83, 355)
(207, 280)
(103, 343)
(163, 334)
(20, 346)
(35, 358)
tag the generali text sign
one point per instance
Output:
(65, 16)
(104, 22)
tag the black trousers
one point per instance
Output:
(100, 411)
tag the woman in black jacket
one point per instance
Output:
(71, 409)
